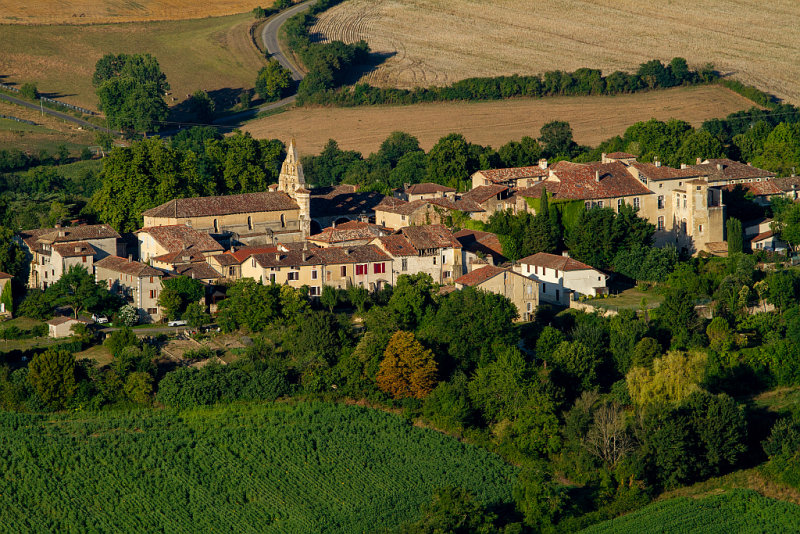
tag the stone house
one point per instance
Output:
(523, 292)
(561, 278)
(513, 178)
(478, 245)
(54, 250)
(490, 199)
(366, 266)
(348, 234)
(138, 283)
(163, 244)
(62, 326)
(431, 249)
(396, 213)
(423, 191)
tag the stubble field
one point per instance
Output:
(437, 42)
(214, 54)
(95, 11)
(593, 118)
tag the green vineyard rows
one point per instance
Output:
(737, 511)
(313, 467)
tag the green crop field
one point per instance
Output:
(739, 511)
(313, 467)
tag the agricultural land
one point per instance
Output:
(741, 511)
(213, 54)
(97, 11)
(312, 467)
(436, 42)
(593, 118)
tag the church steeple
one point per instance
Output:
(291, 177)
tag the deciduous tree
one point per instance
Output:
(52, 375)
(408, 369)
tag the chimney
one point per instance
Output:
(347, 252)
(233, 249)
(542, 163)
(58, 225)
(683, 165)
(719, 166)
(77, 248)
(603, 157)
(61, 233)
(597, 176)
(749, 164)
(277, 256)
(657, 162)
(130, 258)
(306, 255)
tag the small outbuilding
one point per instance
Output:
(62, 326)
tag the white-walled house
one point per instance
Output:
(561, 277)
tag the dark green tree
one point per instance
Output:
(78, 290)
(556, 139)
(450, 162)
(202, 106)
(52, 375)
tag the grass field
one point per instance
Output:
(48, 133)
(739, 511)
(593, 118)
(436, 42)
(94, 11)
(235, 468)
(630, 299)
(214, 54)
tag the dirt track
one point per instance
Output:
(593, 119)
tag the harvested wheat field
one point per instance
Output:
(436, 42)
(95, 11)
(214, 54)
(593, 118)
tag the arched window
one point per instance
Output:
(249, 222)
(283, 221)
(216, 226)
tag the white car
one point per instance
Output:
(100, 319)
(179, 322)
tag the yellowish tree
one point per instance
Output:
(671, 379)
(408, 369)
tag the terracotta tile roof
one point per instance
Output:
(74, 250)
(67, 234)
(620, 155)
(243, 253)
(122, 265)
(727, 169)
(514, 173)
(486, 242)
(398, 245)
(759, 189)
(789, 183)
(663, 172)
(762, 235)
(181, 256)
(224, 205)
(428, 188)
(198, 271)
(389, 203)
(478, 276)
(578, 181)
(343, 200)
(225, 259)
(55, 321)
(322, 256)
(401, 207)
(350, 231)
(553, 261)
(3, 275)
(430, 236)
(178, 237)
(483, 193)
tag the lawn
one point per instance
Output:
(630, 299)
(213, 54)
(311, 467)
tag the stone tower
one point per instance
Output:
(291, 177)
(292, 181)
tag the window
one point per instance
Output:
(698, 188)
(231, 271)
(683, 226)
(660, 227)
(636, 203)
(283, 221)
(599, 203)
(529, 307)
(434, 260)
(700, 228)
(344, 270)
(314, 274)
(361, 270)
(293, 275)
(556, 273)
(619, 203)
(558, 296)
(313, 291)
(587, 204)
(444, 259)
(535, 269)
(684, 201)
(544, 288)
(249, 222)
(253, 262)
(151, 278)
(661, 202)
(152, 311)
(680, 184)
(83, 258)
(544, 271)
(529, 289)
(379, 268)
(153, 294)
(216, 226)
(446, 274)
(404, 264)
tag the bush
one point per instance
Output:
(29, 91)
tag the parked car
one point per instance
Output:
(100, 319)
(178, 322)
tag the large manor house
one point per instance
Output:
(340, 236)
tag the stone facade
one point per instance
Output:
(138, 283)
(523, 292)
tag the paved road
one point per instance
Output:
(269, 35)
(58, 114)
